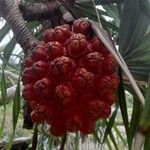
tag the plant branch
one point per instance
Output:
(45, 10)
(10, 11)
(10, 74)
(10, 92)
(17, 141)
(39, 11)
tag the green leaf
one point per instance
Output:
(119, 8)
(33, 24)
(134, 25)
(138, 60)
(4, 99)
(141, 71)
(112, 11)
(8, 146)
(108, 144)
(113, 140)
(123, 106)
(119, 134)
(3, 31)
(91, 14)
(136, 113)
(147, 143)
(145, 6)
(15, 112)
(9, 49)
(89, 6)
(106, 2)
(144, 44)
(145, 119)
(16, 105)
(95, 134)
(134, 38)
(5, 62)
(101, 2)
(141, 48)
(110, 124)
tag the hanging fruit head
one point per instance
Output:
(70, 79)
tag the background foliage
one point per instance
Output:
(128, 23)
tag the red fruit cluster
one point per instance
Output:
(69, 79)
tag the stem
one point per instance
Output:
(16, 142)
(138, 141)
(63, 142)
(39, 11)
(27, 122)
(34, 138)
(10, 11)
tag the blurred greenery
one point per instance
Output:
(7, 132)
(128, 24)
